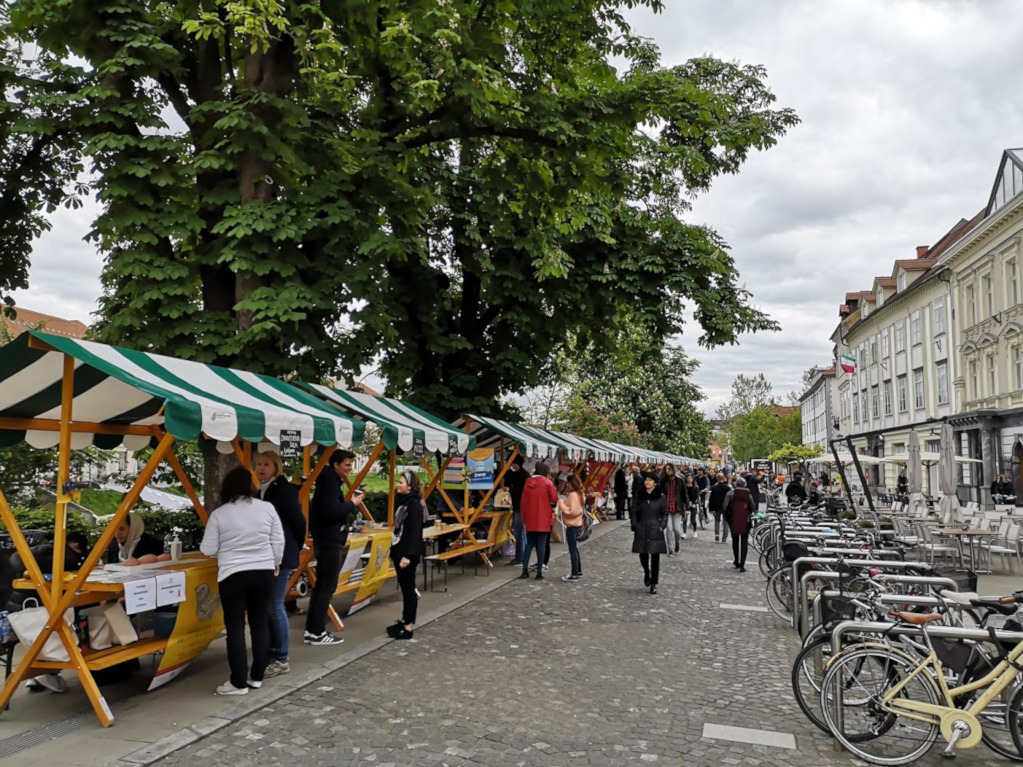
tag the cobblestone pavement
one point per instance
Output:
(592, 673)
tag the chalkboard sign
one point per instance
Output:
(419, 447)
(291, 443)
(452, 443)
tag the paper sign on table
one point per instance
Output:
(140, 595)
(170, 588)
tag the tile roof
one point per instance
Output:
(916, 264)
(26, 319)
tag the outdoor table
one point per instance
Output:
(971, 535)
(432, 534)
(199, 620)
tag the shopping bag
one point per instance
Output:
(101, 634)
(502, 499)
(120, 624)
(28, 624)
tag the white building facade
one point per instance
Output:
(818, 407)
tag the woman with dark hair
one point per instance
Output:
(245, 536)
(275, 489)
(406, 549)
(572, 510)
(739, 510)
(649, 520)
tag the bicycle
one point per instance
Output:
(888, 707)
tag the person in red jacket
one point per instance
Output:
(538, 498)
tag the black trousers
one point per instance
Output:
(651, 565)
(328, 566)
(247, 594)
(406, 577)
(740, 545)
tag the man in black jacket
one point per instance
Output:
(329, 515)
(716, 504)
(515, 480)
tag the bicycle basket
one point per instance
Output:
(837, 608)
(952, 653)
(794, 550)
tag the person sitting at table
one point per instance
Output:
(131, 541)
(76, 549)
(406, 549)
(1002, 490)
(245, 536)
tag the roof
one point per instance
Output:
(402, 424)
(885, 282)
(916, 264)
(1009, 181)
(26, 319)
(132, 391)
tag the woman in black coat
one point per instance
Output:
(406, 550)
(649, 520)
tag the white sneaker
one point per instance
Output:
(683, 536)
(696, 535)
(229, 689)
(255, 684)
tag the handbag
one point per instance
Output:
(28, 624)
(101, 634)
(502, 498)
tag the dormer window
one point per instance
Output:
(880, 295)
(901, 281)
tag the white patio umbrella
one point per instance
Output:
(914, 476)
(950, 508)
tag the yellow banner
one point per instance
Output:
(378, 570)
(200, 621)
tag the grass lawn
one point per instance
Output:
(101, 502)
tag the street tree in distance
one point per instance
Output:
(799, 454)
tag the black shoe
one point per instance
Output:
(735, 564)
(525, 574)
(742, 569)
(677, 544)
(395, 627)
(515, 562)
(646, 579)
(653, 588)
(403, 633)
(539, 576)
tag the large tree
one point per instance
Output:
(452, 188)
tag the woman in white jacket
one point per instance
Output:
(245, 536)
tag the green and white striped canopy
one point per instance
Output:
(489, 432)
(115, 386)
(402, 424)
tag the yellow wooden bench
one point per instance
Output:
(459, 551)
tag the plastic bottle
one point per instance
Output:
(175, 551)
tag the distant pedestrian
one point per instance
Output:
(649, 520)
(572, 511)
(739, 515)
(515, 481)
(692, 501)
(621, 489)
(538, 499)
(716, 503)
(673, 496)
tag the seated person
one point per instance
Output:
(75, 551)
(1002, 490)
(132, 540)
(795, 490)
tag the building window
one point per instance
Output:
(880, 296)
(873, 350)
(974, 382)
(914, 328)
(939, 315)
(903, 402)
(900, 336)
(887, 397)
(863, 405)
(992, 375)
(1013, 283)
(942, 383)
(856, 407)
(886, 346)
(918, 389)
(989, 296)
(971, 305)
(875, 404)
(900, 282)
(1017, 365)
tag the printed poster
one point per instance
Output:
(480, 469)
(200, 621)
(454, 474)
(378, 570)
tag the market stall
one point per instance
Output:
(68, 393)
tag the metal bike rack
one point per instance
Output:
(800, 597)
(886, 599)
(908, 629)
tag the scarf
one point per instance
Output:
(402, 502)
(135, 529)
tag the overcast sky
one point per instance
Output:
(905, 106)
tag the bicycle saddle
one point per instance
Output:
(919, 619)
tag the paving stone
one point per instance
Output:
(596, 673)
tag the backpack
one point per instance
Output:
(587, 528)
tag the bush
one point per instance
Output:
(42, 519)
(161, 522)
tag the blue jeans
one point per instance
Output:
(539, 542)
(279, 629)
(572, 539)
(519, 531)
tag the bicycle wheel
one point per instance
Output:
(1002, 718)
(851, 696)
(766, 562)
(779, 593)
(807, 676)
(1014, 718)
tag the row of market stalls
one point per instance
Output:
(69, 394)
